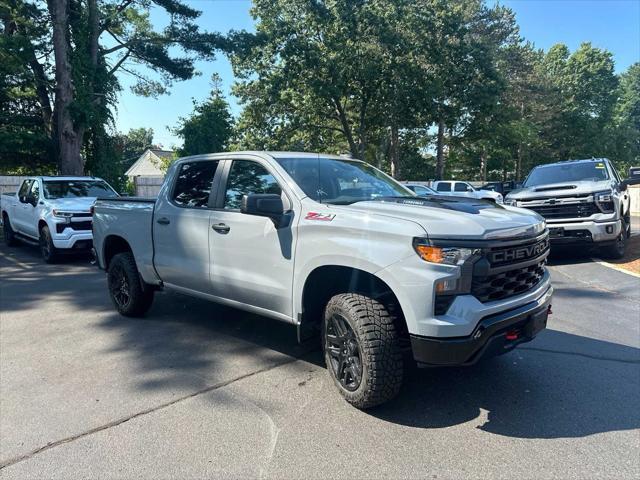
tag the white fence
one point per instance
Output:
(10, 183)
(147, 186)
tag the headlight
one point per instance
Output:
(499, 199)
(604, 200)
(441, 255)
(58, 213)
(511, 202)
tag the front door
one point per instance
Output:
(252, 260)
(181, 227)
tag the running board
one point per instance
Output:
(25, 239)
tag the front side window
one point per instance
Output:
(443, 187)
(248, 177)
(461, 187)
(77, 188)
(24, 188)
(194, 182)
(341, 182)
(567, 172)
(35, 190)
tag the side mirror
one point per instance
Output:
(22, 199)
(264, 205)
(634, 178)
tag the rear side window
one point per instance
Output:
(248, 177)
(193, 184)
(460, 187)
(443, 187)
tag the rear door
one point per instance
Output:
(251, 259)
(20, 212)
(181, 226)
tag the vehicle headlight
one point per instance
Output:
(604, 200)
(442, 255)
(66, 215)
(511, 202)
(499, 199)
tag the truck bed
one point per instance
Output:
(130, 218)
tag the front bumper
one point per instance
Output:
(494, 335)
(583, 232)
(73, 239)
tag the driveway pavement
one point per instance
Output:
(195, 390)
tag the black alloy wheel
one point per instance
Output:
(119, 287)
(345, 357)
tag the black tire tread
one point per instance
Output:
(375, 327)
(9, 235)
(53, 255)
(141, 295)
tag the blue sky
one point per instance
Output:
(610, 24)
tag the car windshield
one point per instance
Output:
(567, 172)
(341, 182)
(77, 188)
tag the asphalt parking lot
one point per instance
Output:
(196, 390)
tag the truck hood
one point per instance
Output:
(563, 189)
(78, 204)
(461, 218)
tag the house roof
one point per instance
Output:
(149, 163)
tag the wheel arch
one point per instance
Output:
(325, 281)
(111, 246)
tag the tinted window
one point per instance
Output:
(77, 188)
(24, 188)
(35, 190)
(460, 187)
(248, 177)
(193, 184)
(567, 172)
(337, 181)
(443, 187)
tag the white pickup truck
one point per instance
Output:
(458, 188)
(53, 212)
(337, 248)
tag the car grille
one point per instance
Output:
(509, 283)
(60, 227)
(574, 210)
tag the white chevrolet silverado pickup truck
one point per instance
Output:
(52, 212)
(585, 202)
(337, 248)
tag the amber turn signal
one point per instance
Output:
(430, 254)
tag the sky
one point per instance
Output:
(610, 24)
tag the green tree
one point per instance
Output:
(625, 127)
(93, 42)
(209, 128)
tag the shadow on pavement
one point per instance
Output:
(560, 385)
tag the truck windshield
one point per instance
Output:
(341, 182)
(567, 172)
(77, 188)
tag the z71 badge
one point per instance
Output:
(323, 217)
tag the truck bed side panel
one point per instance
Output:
(130, 218)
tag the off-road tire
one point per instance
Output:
(47, 248)
(128, 292)
(9, 235)
(378, 345)
(616, 250)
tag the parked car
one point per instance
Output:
(585, 203)
(53, 212)
(337, 248)
(464, 189)
(420, 190)
(502, 188)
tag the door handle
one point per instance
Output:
(221, 228)
(163, 221)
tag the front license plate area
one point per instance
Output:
(556, 232)
(537, 322)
